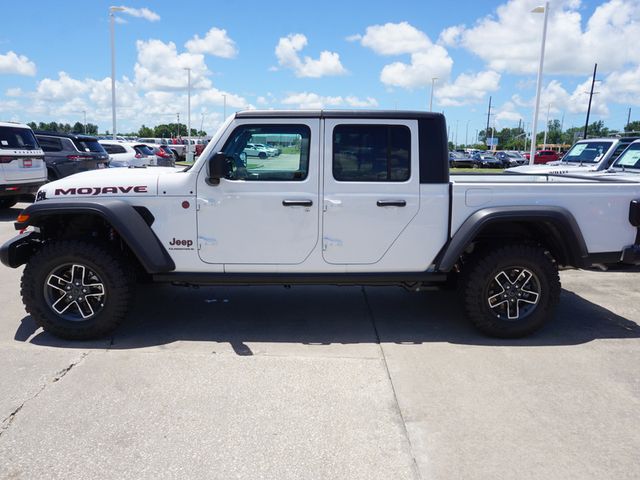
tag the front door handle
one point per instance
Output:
(297, 203)
(391, 203)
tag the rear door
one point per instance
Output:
(21, 158)
(371, 187)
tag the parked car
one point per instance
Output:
(510, 158)
(69, 153)
(543, 156)
(458, 160)
(252, 150)
(128, 154)
(272, 152)
(375, 205)
(165, 157)
(22, 165)
(486, 160)
(594, 154)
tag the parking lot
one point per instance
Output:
(324, 382)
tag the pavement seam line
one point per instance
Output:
(59, 375)
(393, 388)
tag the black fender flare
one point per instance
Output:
(132, 226)
(568, 233)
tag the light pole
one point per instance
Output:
(455, 144)
(544, 9)
(224, 99)
(466, 135)
(189, 158)
(85, 121)
(112, 19)
(546, 129)
(433, 82)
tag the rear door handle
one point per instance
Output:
(391, 203)
(297, 203)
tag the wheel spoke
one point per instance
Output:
(85, 308)
(499, 298)
(94, 290)
(502, 279)
(533, 296)
(59, 283)
(523, 278)
(510, 306)
(77, 274)
(63, 300)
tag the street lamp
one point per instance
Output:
(189, 158)
(433, 81)
(540, 9)
(112, 19)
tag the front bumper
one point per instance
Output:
(16, 252)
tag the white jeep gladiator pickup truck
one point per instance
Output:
(355, 198)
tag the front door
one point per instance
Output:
(266, 211)
(371, 187)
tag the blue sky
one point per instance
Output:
(55, 62)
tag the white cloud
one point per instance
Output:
(287, 53)
(434, 63)
(467, 88)
(161, 67)
(450, 37)
(510, 40)
(141, 13)
(13, 92)
(313, 100)
(428, 60)
(216, 42)
(12, 63)
(64, 88)
(395, 39)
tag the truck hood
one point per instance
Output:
(558, 169)
(110, 182)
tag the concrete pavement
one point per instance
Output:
(324, 382)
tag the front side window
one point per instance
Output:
(630, 158)
(371, 153)
(251, 157)
(49, 144)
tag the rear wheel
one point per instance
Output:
(76, 290)
(510, 291)
(8, 202)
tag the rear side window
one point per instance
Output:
(88, 146)
(50, 144)
(17, 138)
(371, 153)
(144, 150)
(114, 148)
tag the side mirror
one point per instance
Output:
(218, 168)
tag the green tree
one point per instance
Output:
(78, 128)
(632, 126)
(92, 129)
(145, 131)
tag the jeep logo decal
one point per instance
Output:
(100, 190)
(178, 244)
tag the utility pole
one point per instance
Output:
(628, 119)
(486, 132)
(433, 82)
(466, 135)
(224, 99)
(593, 82)
(189, 157)
(455, 144)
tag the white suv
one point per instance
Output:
(22, 166)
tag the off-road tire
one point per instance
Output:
(8, 202)
(116, 277)
(479, 282)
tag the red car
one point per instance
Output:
(543, 156)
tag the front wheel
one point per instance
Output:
(76, 290)
(510, 291)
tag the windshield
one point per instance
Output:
(17, 138)
(89, 146)
(587, 152)
(630, 157)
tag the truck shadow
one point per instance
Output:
(9, 214)
(325, 315)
